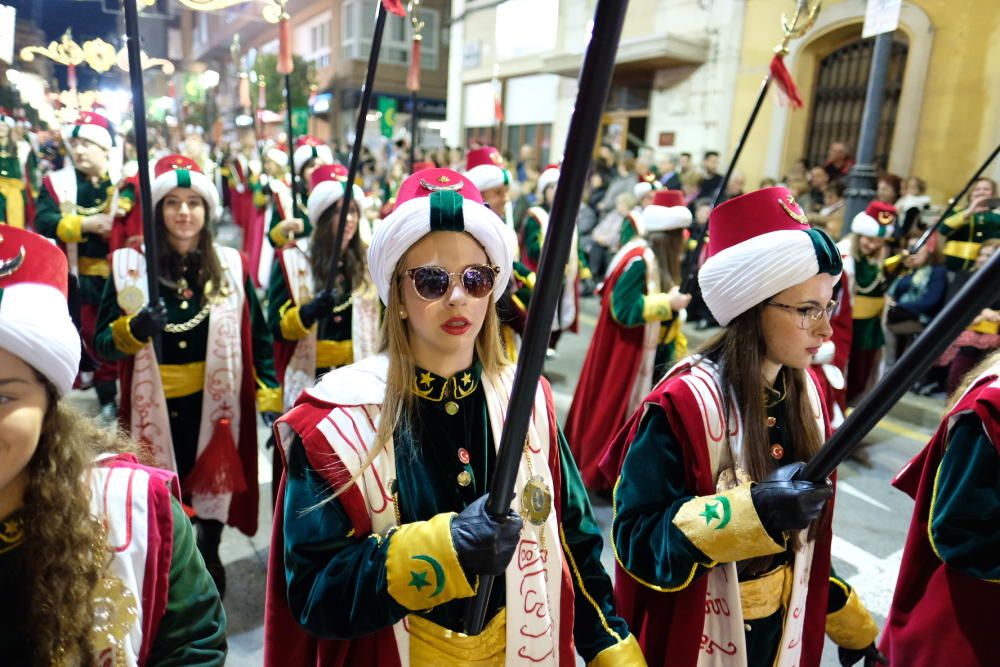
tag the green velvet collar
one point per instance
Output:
(432, 387)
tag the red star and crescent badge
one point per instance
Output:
(452, 187)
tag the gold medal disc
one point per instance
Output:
(536, 501)
(131, 300)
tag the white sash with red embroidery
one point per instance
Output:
(533, 578)
(220, 406)
(723, 641)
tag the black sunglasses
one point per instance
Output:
(433, 282)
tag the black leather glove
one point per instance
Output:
(317, 309)
(872, 656)
(784, 503)
(484, 546)
(148, 322)
(269, 418)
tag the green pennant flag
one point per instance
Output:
(387, 106)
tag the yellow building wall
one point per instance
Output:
(958, 119)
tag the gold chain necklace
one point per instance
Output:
(85, 211)
(344, 306)
(185, 327)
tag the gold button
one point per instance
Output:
(184, 305)
(771, 421)
(183, 344)
(464, 478)
(451, 407)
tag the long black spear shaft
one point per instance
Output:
(919, 243)
(691, 272)
(413, 129)
(291, 146)
(142, 155)
(359, 135)
(595, 80)
(977, 294)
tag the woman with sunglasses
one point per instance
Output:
(384, 532)
(97, 559)
(722, 550)
(194, 404)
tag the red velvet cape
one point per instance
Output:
(939, 615)
(669, 625)
(600, 402)
(286, 642)
(243, 508)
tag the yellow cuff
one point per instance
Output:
(851, 626)
(260, 199)
(124, 205)
(278, 238)
(122, 336)
(967, 250)
(422, 567)
(70, 228)
(955, 221)
(269, 399)
(291, 324)
(725, 527)
(585, 273)
(529, 280)
(656, 307)
(625, 653)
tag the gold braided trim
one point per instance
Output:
(185, 327)
(583, 589)
(431, 644)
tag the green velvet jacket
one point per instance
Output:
(650, 492)
(869, 280)
(627, 307)
(534, 237)
(301, 201)
(337, 585)
(191, 632)
(279, 300)
(964, 233)
(965, 514)
(93, 246)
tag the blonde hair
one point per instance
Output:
(398, 406)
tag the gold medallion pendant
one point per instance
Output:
(131, 300)
(536, 501)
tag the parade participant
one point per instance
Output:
(724, 554)
(126, 210)
(635, 309)
(865, 251)
(644, 190)
(966, 230)
(13, 197)
(197, 151)
(484, 167)
(389, 461)
(97, 558)
(310, 153)
(536, 223)
(667, 233)
(74, 208)
(213, 337)
(830, 361)
(246, 201)
(949, 571)
(26, 142)
(275, 195)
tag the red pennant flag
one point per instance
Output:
(218, 469)
(284, 47)
(394, 6)
(413, 74)
(781, 76)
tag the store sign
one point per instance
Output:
(881, 16)
(8, 16)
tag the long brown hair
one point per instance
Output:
(740, 351)
(65, 545)
(321, 247)
(668, 246)
(203, 259)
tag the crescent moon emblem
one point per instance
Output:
(438, 573)
(9, 266)
(727, 512)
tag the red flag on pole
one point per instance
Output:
(284, 46)
(394, 7)
(413, 73)
(782, 77)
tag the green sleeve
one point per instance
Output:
(965, 512)
(648, 495)
(596, 626)
(193, 628)
(337, 581)
(47, 214)
(263, 343)
(532, 239)
(107, 312)
(3, 210)
(277, 298)
(628, 298)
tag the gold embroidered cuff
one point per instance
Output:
(955, 220)
(656, 307)
(269, 399)
(334, 353)
(967, 250)
(124, 205)
(625, 653)
(70, 228)
(422, 567)
(725, 527)
(278, 238)
(121, 335)
(851, 626)
(291, 324)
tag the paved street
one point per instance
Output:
(870, 522)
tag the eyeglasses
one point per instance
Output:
(810, 315)
(433, 282)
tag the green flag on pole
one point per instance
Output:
(387, 107)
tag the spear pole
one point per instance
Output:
(594, 82)
(142, 155)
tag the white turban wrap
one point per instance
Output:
(35, 325)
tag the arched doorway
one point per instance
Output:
(839, 98)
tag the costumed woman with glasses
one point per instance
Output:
(193, 408)
(98, 563)
(721, 551)
(384, 532)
